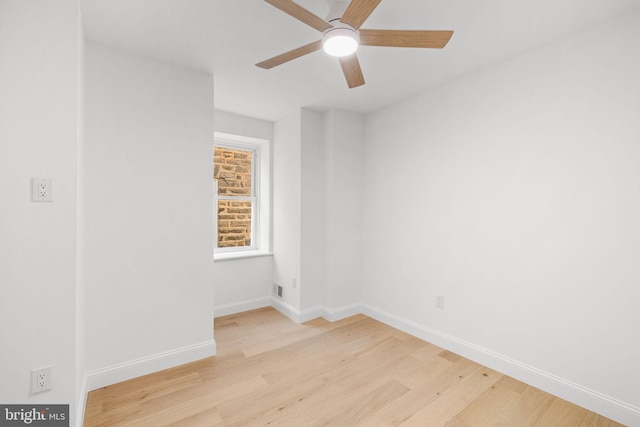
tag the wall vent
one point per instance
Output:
(277, 290)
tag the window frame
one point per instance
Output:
(260, 203)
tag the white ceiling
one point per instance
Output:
(227, 37)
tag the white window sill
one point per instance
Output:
(225, 256)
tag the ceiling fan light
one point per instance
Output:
(340, 42)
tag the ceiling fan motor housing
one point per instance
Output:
(340, 40)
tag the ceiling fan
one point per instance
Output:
(342, 35)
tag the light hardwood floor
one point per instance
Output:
(272, 371)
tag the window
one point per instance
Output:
(241, 183)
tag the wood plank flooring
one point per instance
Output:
(355, 372)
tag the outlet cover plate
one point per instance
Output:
(41, 379)
(41, 190)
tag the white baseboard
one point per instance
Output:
(330, 314)
(239, 307)
(298, 316)
(145, 365)
(575, 393)
(335, 314)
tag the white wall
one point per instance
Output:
(342, 210)
(297, 213)
(311, 176)
(147, 215)
(242, 284)
(246, 283)
(514, 193)
(39, 134)
(287, 205)
(81, 389)
(318, 212)
(235, 124)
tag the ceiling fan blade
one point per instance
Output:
(358, 11)
(402, 38)
(291, 55)
(352, 71)
(300, 13)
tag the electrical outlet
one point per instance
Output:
(41, 379)
(41, 190)
(294, 282)
(440, 301)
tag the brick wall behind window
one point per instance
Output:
(232, 169)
